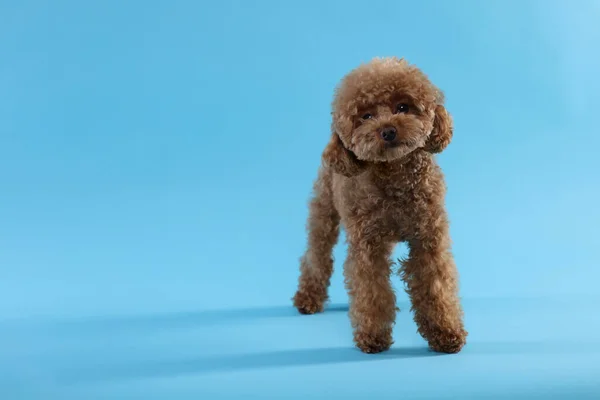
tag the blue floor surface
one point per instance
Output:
(528, 348)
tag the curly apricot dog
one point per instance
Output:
(379, 179)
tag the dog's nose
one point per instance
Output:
(388, 133)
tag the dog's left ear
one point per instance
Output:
(442, 132)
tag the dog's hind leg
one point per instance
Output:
(316, 265)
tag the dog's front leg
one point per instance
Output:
(432, 284)
(316, 265)
(367, 273)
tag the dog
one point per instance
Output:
(379, 179)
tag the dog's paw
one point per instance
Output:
(447, 341)
(373, 343)
(308, 304)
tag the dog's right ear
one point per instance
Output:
(341, 160)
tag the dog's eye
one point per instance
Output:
(367, 116)
(402, 108)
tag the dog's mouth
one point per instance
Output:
(394, 144)
(396, 149)
(397, 143)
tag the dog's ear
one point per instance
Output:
(341, 160)
(442, 132)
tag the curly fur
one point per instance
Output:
(383, 193)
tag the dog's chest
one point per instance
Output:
(389, 201)
(384, 201)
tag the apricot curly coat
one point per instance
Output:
(385, 188)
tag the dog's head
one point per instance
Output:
(383, 111)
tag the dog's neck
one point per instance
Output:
(399, 173)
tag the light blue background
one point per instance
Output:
(156, 160)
